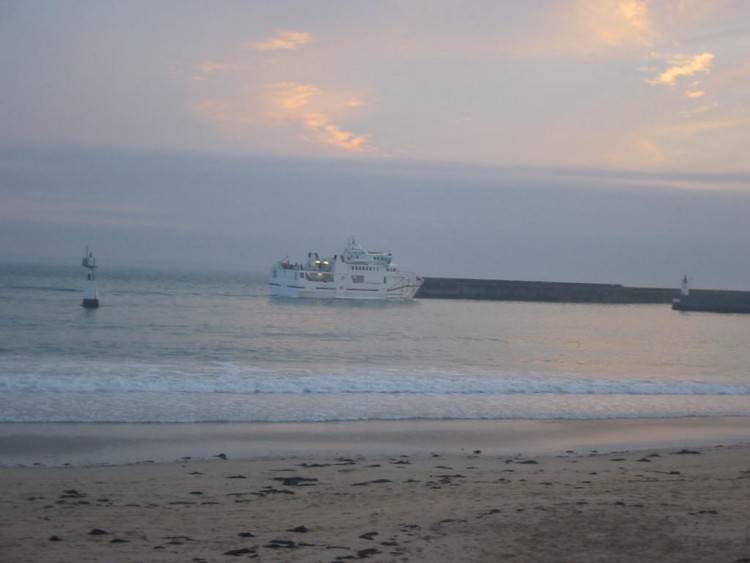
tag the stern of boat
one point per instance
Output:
(403, 285)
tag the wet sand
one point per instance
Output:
(640, 490)
(95, 444)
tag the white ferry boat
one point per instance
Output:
(353, 274)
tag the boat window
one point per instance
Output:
(319, 276)
(358, 279)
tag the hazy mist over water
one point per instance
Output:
(232, 213)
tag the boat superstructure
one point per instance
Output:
(354, 274)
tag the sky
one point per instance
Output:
(572, 140)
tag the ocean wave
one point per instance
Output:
(228, 378)
(202, 408)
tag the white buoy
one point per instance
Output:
(90, 295)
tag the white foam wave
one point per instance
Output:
(196, 408)
(230, 378)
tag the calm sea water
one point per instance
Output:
(191, 346)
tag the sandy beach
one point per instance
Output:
(650, 491)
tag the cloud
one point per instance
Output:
(684, 66)
(356, 104)
(615, 22)
(244, 98)
(590, 27)
(699, 109)
(283, 41)
(292, 102)
(290, 99)
(241, 99)
(330, 134)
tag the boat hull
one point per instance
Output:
(90, 304)
(294, 283)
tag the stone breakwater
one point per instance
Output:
(714, 301)
(562, 292)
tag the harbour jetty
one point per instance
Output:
(712, 301)
(562, 292)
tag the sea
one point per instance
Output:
(195, 346)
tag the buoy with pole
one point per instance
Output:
(90, 295)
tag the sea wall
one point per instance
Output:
(719, 301)
(557, 292)
(714, 301)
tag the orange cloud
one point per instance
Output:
(682, 66)
(332, 135)
(590, 27)
(283, 41)
(289, 99)
(237, 102)
(613, 23)
(292, 102)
